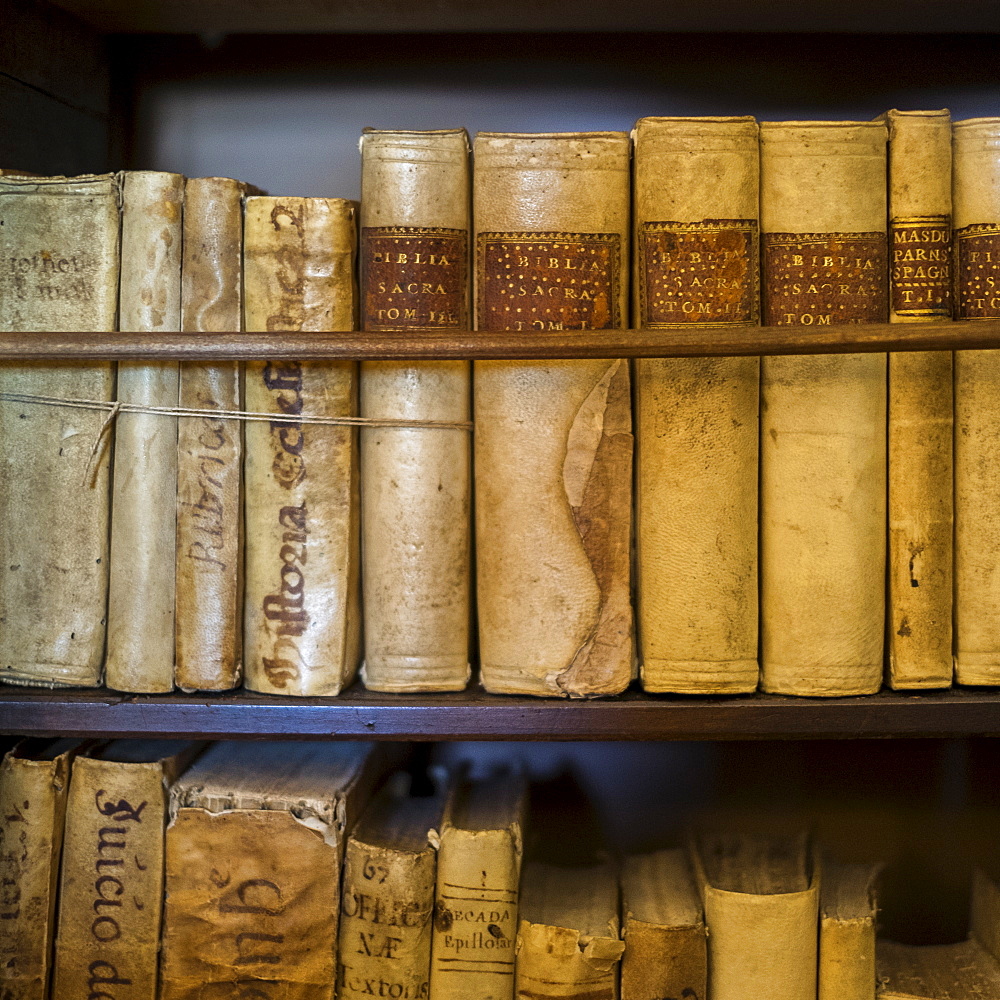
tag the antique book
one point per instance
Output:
(253, 856)
(208, 625)
(34, 780)
(568, 937)
(921, 414)
(416, 481)
(823, 418)
(963, 971)
(111, 883)
(62, 235)
(302, 613)
(847, 932)
(977, 404)
(479, 844)
(140, 654)
(663, 924)
(761, 899)
(387, 898)
(695, 256)
(553, 454)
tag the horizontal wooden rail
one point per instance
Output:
(696, 341)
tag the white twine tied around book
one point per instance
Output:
(115, 407)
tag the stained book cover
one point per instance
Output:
(554, 438)
(847, 912)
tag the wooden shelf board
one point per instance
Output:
(475, 715)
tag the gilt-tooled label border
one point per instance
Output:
(961, 236)
(921, 222)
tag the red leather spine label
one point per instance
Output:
(978, 272)
(920, 279)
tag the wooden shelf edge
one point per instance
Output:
(696, 341)
(474, 715)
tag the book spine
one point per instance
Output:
(553, 463)
(252, 898)
(696, 261)
(302, 615)
(111, 887)
(846, 959)
(32, 810)
(553, 962)
(387, 901)
(921, 398)
(208, 609)
(62, 235)
(663, 961)
(823, 418)
(416, 488)
(140, 654)
(977, 403)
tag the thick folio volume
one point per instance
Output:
(302, 613)
(696, 261)
(140, 654)
(823, 418)
(921, 416)
(416, 489)
(59, 240)
(208, 616)
(977, 404)
(553, 438)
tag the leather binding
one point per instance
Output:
(208, 616)
(302, 614)
(140, 654)
(847, 914)
(977, 404)
(823, 418)
(921, 404)
(63, 233)
(416, 482)
(696, 260)
(553, 438)
(111, 884)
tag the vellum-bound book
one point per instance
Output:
(921, 398)
(666, 943)
(977, 404)
(416, 490)
(847, 932)
(208, 618)
(553, 438)
(695, 252)
(140, 654)
(302, 612)
(568, 939)
(823, 418)
(61, 233)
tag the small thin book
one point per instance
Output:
(847, 931)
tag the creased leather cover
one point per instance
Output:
(209, 610)
(823, 433)
(977, 405)
(553, 438)
(140, 654)
(302, 615)
(416, 488)
(696, 231)
(63, 235)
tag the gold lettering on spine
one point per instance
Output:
(920, 274)
(978, 272)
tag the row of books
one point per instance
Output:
(769, 495)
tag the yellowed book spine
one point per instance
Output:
(847, 933)
(696, 261)
(553, 438)
(416, 490)
(977, 404)
(63, 235)
(823, 418)
(208, 620)
(302, 614)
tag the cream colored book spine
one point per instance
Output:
(302, 614)
(553, 438)
(208, 617)
(977, 404)
(696, 261)
(847, 932)
(59, 242)
(921, 403)
(416, 488)
(140, 654)
(823, 418)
